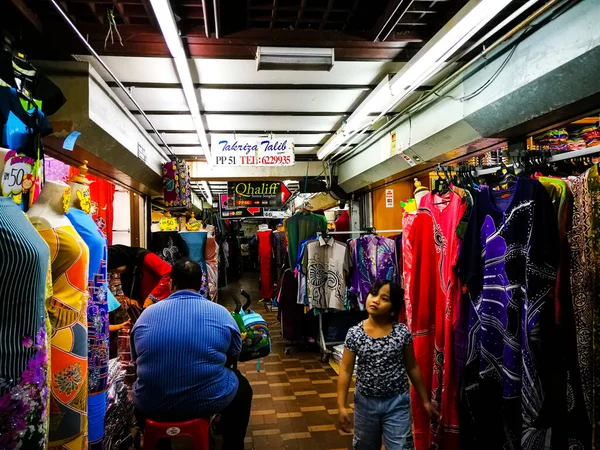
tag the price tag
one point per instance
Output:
(17, 173)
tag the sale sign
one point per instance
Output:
(232, 151)
(17, 176)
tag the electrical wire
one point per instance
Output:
(114, 77)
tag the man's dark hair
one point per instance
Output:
(186, 274)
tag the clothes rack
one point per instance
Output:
(560, 157)
(373, 231)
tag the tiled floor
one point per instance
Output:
(295, 400)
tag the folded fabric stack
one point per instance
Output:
(119, 414)
(553, 140)
(338, 352)
(576, 144)
(590, 135)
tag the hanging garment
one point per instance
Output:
(435, 294)
(290, 312)
(508, 260)
(571, 427)
(585, 276)
(98, 323)
(18, 73)
(302, 226)
(25, 287)
(407, 265)
(373, 258)
(171, 246)
(67, 312)
(265, 252)
(342, 223)
(102, 194)
(326, 264)
(280, 257)
(212, 268)
(594, 190)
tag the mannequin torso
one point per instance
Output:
(3, 152)
(48, 210)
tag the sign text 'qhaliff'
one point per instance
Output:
(229, 151)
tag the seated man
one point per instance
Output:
(185, 347)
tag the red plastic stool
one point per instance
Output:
(198, 430)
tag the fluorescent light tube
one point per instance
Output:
(207, 192)
(421, 67)
(166, 21)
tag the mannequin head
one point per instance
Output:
(80, 189)
(48, 211)
(420, 192)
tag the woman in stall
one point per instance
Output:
(144, 276)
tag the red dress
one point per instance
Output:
(156, 275)
(265, 251)
(434, 295)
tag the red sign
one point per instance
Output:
(254, 210)
(285, 194)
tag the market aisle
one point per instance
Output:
(295, 405)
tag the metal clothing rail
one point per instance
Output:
(560, 157)
(373, 231)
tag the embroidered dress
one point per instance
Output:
(434, 307)
(594, 190)
(407, 264)
(25, 287)
(509, 260)
(67, 311)
(98, 323)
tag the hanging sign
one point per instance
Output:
(389, 198)
(17, 176)
(229, 211)
(229, 151)
(257, 193)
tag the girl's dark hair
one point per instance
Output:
(396, 295)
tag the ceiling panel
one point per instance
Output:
(238, 71)
(266, 124)
(170, 99)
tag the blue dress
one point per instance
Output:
(98, 326)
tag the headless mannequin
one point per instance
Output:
(48, 210)
(3, 152)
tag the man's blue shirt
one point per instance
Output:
(180, 346)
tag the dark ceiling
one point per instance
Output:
(357, 29)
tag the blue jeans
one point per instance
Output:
(390, 417)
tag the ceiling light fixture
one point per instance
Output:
(207, 191)
(294, 58)
(166, 21)
(428, 61)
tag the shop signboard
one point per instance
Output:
(228, 211)
(257, 193)
(268, 151)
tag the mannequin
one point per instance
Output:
(97, 312)
(48, 210)
(67, 312)
(24, 258)
(420, 192)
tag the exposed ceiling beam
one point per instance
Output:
(28, 14)
(121, 11)
(300, 13)
(144, 40)
(392, 15)
(325, 17)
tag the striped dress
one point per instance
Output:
(24, 271)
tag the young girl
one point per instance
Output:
(385, 358)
